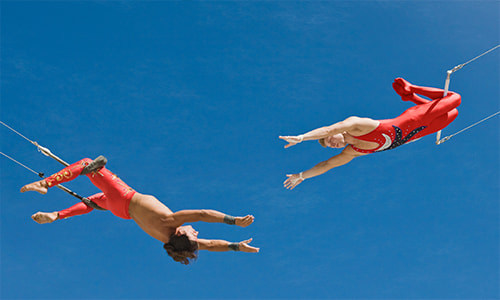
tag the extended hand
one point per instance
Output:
(292, 140)
(292, 181)
(244, 247)
(244, 221)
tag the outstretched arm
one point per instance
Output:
(350, 125)
(221, 245)
(341, 159)
(206, 215)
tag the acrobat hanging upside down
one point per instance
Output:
(156, 219)
(361, 136)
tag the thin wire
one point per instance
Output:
(16, 132)
(47, 152)
(18, 162)
(43, 150)
(460, 66)
(450, 136)
(449, 72)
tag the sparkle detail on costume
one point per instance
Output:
(388, 136)
(387, 143)
(398, 141)
(413, 123)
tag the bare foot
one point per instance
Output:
(37, 186)
(42, 218)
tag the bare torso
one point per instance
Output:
(150, 214)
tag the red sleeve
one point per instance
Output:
(75, 210)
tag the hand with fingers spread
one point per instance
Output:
(293, 180)
(292, 140)
(244, 247)
(244, 221)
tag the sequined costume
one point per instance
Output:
(425, 118)
(115, 196)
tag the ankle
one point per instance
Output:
(44, 183)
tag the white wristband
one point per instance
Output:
(301, 137)
(295, 180)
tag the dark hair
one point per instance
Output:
(181, 248)
(322, 142)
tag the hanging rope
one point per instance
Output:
(88, 202)
(446, 86)
(462, 65)
(452, 135)
(47, 152)
(39, 174)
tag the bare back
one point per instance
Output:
(150, 214)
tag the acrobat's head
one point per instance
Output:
(183, 245)
(334, 141)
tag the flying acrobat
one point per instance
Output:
(361, 136)
(156, 219)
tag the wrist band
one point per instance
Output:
(229, 220)
(301, 137)
(234, 246)
(301, 177)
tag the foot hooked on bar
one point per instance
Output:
(95, 166)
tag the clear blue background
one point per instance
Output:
(186, 99)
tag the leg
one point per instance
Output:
(436, 108)
(406, 89)
(442, 121)
(65, 175)
(417, 100)
(83, 167)
(75, 210)
(430, 92)
(78, 209)
(442, 106)
(432, 109)
(402, 87)
(118, 193)
(434, 115)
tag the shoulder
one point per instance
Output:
(360, 126)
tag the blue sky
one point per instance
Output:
(187, 99)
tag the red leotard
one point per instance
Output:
(413, 123)
(115, 196)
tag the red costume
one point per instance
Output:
(425, 118)
(115, 196)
